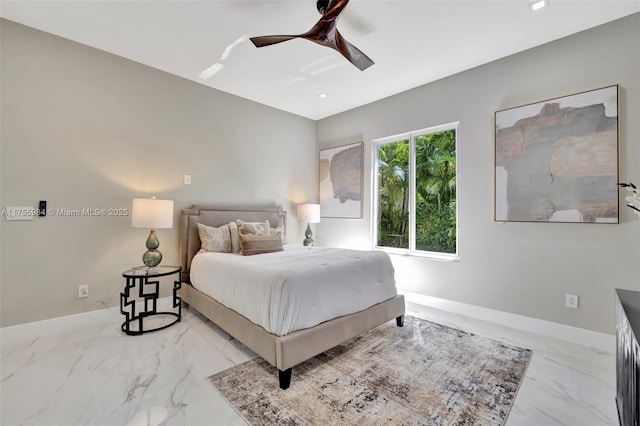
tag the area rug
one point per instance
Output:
(423, 373)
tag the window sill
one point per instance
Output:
(440, 257)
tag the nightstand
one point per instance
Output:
(148, 282)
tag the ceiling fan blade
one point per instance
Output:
(325, 33)
(352, 53)
(272, 39)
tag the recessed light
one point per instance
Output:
(323, 95)
(537, 5)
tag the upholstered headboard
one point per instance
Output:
(218, 216)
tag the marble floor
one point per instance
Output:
(82, 370)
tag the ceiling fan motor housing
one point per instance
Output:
(322, 6)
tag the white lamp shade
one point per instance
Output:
(309, 213)
(151, 213)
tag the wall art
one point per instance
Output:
(341, 181)
(557, 160)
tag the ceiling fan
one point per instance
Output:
(325, 33)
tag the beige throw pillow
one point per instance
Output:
(279, 231)
(256, 228)
(214, 239)
(235, 238)
(257, 244)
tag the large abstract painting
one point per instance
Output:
(341, 181)
(557, 160)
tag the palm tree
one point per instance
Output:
(393, 165)
(436, 168)
(436, 192)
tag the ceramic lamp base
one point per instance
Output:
(152, 257)
(308, 241)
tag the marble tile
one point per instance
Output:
(85, 371)
(93, 374)
(565, 383)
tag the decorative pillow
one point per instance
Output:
(256, 228)
(235, 238)
(214, 239)
(256, 244)
(279, 230)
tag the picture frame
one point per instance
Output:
(557, 160)
(340, 181)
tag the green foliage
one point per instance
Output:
(393, 173)
(436, 229)
(435, 193)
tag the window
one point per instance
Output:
(415, 198)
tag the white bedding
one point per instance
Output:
(297, 288)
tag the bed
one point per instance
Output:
(282, 351)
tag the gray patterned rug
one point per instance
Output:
(423, 373)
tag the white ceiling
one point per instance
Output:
(412, 42)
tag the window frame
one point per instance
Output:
(412, 251)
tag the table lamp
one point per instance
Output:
(309, 213)
(153, 214)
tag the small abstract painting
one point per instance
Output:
(341, 181)
(557, 160)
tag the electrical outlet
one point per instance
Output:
(571, 301)
(83, 291)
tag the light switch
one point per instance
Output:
(187, 179)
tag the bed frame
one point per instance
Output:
(283, 352)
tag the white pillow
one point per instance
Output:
(214, 239)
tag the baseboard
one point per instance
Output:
(581, 336)
(60, 324)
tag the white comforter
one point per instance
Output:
(297, 288)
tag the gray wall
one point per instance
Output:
(523, 268)
(81, 128)
(85, 129)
